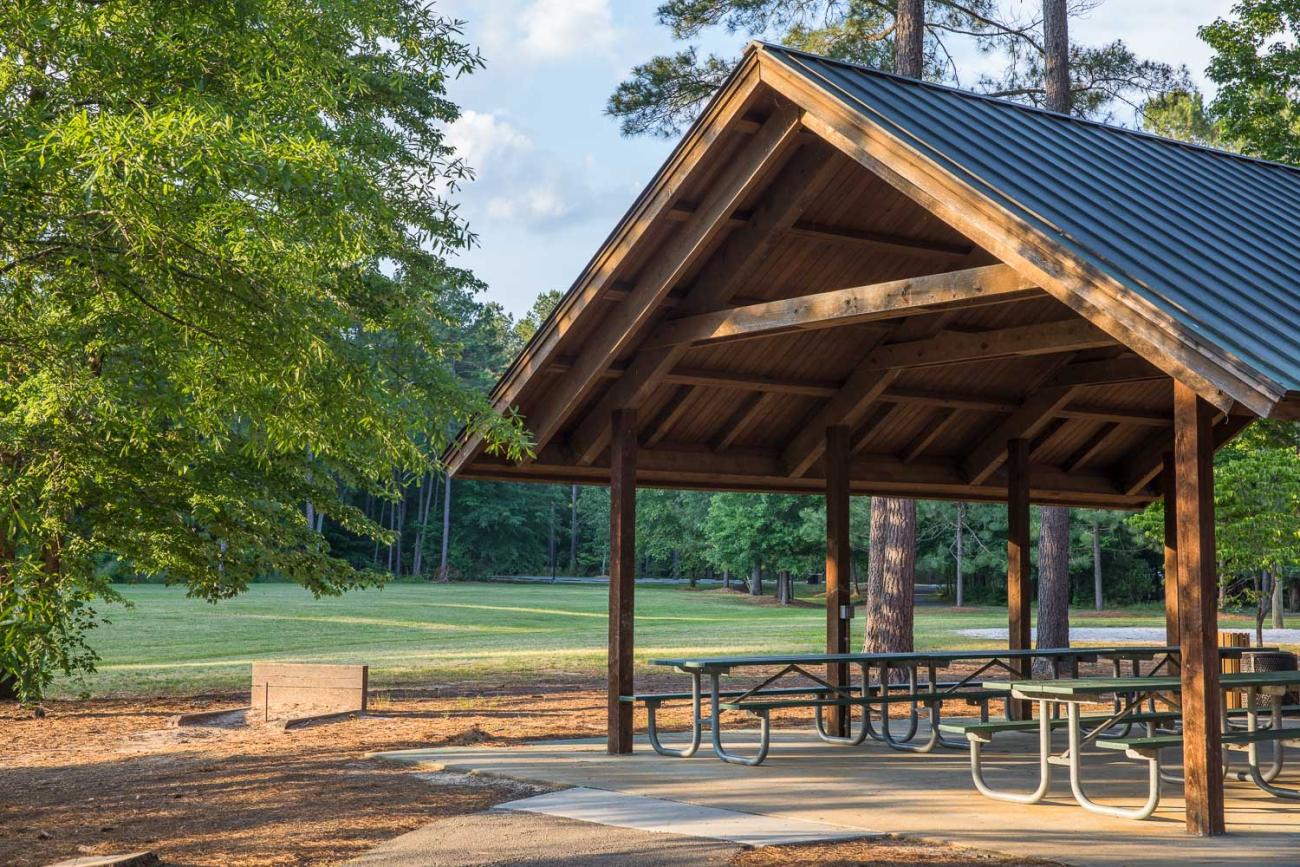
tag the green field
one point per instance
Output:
(432, 633)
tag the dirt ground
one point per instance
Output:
(111, 775)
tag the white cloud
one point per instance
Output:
(518, 182)
(561, 29)
(480, 137)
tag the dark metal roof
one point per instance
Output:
(1209, 237)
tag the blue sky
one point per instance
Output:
(553, 173)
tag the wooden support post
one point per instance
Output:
(622, 570)
(1018, 595)
(1198, 597)
(838, 554)
(1167, 489)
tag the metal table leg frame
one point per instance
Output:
(697, 721)
(863, 731)
(1263, 780)
(715, 726)
(1044, 763)
(1076, 772)
(913, 720)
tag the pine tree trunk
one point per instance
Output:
(891, 577)
(726, 579)
(573, 530)
(909, 38)
(961, 521)
(1098, 597)
(1054, 577)
(446, 531)
(1056, 51)
(756, 579)
(1278, 622)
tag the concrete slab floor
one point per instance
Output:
(873, 788)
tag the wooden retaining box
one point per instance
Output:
(294, 691)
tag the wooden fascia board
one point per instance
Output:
(653, 204)
(1130, 319)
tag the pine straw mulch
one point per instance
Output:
(111, 775)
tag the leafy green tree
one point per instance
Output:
(1182, 115)
(223, 231)
(1256, 66)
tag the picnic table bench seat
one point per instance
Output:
(920, 696)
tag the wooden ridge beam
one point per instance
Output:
(808, 171)
(841, 307)
(752, 382)
(750, 168)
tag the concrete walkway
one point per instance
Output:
(872, 788)
(502, 837)
(616, 809)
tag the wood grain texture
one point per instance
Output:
(1198, 593)
(622, 575)
(1018, 565)
(838, 562)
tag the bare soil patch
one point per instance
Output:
(879, 853)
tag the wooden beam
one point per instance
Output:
(863, 387)
(809, 170)
(1018, 591)
(1111, 371)
(1198, 592)
(1037, 410)
(1103, 439)
(884, 241)
(1055, 430)
(954, 347)
(940, 425)
(1169, 490)
(752, 382)
(951, 401)
(749, 169)
(1142, 466)
(744, 419)
(687, 163)
(882, 418)
(622, 570)
(1119, 415)
(678, 405)
(839, 555)
(841, 307)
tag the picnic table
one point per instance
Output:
(765, 697)
(1132, 693)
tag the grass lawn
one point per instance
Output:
(433, 633)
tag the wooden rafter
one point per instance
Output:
(753, 164)
(1142, 466)
(744, 420)
(939, 425)
(678, 406)
(840, 307)
(884, 365)
(721, 117)
(794, 190)
(1106, 435)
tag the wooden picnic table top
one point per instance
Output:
(1084, 688)
(707, 663)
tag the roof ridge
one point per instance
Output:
(1033, 109)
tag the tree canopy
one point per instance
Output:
(223, 242)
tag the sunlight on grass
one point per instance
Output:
(440, 633)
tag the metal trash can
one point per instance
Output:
(1271, 660)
